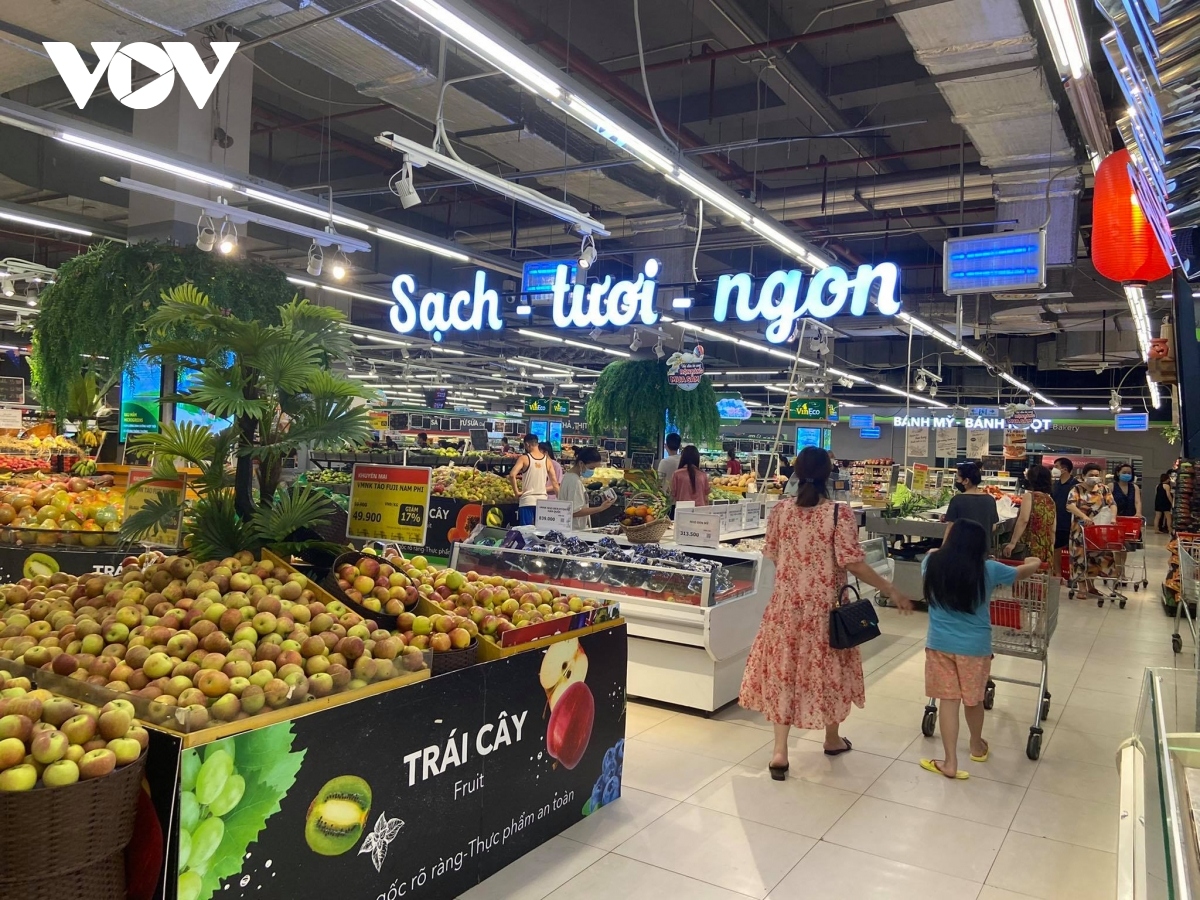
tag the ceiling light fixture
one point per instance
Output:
(1155, 395)
(316, 259)
(636, 344)
(228, 239)
(206, 234)
(658, 348)
(6, 288)
(1135, 295)
(142, 160)
(1060, 21)
(1114, 402)
(419, 155)
(48, 224)
(341, 266)
(587, 252)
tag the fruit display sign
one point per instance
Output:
(452, 520)
(419, 792)
(390, 503)
(148, 488)
(22, 562)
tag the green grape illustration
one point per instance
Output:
(205, 840)
(210, 781)
(190, 884)
(230, 796)
(190, 767)
(189, 811)
(185, 848)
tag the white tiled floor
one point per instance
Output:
(700, 818)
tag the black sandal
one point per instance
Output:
(778, 773)
(845, 749)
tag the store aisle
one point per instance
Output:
(700, 818)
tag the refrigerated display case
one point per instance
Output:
(690, 630)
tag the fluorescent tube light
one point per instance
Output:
(43, 223)
(398, 238)
(1060, 20)
(1155, 396)
(420, 155)
(1135, 295)
(76, 140)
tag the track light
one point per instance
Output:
(6, 287)
(340, 267)
(596, 333)
(919, 382)
(933, 390)
(587, 252)
(228, 238)
(206, 234)
(316, 259)
(636, 343)
(1114, 402)
(402, 186)
(658, 348)
(846, 382)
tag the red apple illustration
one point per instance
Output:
(570, 727)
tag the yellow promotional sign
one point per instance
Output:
(150, 487)
(920, 477)
(390, 503)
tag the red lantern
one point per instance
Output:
(1124, 246)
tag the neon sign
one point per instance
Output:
(436, 316)
(606, 303)
(778, 299)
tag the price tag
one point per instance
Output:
(697, 529)
(389, 503)
(148, 489)
(920, 477)
(554, 515)
(734, 515)
(753, 516)
(10, 419)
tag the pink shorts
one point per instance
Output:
(949, 676)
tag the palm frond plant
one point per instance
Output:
(275, 385)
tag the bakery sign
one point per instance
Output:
(780, 300)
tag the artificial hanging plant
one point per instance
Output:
(636, 394)
(94, 315)
(275, 384)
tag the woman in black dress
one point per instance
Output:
(1163, 504)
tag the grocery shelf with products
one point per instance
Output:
(871, 480)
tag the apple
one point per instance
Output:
(12, 752)
(80, 728)
(97, 763)
(439, 642)
(114, 724)
(460, 638)
(570, 727)
(565, 663)
(60, 773)
(49, 746)
(19, 778)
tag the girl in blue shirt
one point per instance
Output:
(958, 649)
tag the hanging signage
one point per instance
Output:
(389, 503)
(537, 276)
(547, 406)
(871, 434)
(918, 442)
(733, 408)
(862, 421)
(778, 299)
(946, 443)
(977, 442)
(923, 421)
(1009, 261)
(149, 488)
(686, 368)
(1132, 422)
(813, 409)
(616, 304)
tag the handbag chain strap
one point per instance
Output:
(841, 598)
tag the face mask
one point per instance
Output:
(588, 473)
(1056, 472)
(1172, 479)
(1092, 480)
(959, 486)
(1126, 476)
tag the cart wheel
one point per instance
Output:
(1176, 643)
(1045, 713)
(1145, 584)
(929, 721)
(1122, 603)
(1033, 747)
(1100, 603)
(989, 695)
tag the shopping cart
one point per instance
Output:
(1104, 550)
(1189, 594)
(1134, 564)
(1024, 616)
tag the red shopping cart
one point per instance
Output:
(1134, 560)
(1104, 553)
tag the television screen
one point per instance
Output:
(556, 434)
(190, 413)
(141, 392)
(541, 429)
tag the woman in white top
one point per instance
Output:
(538, 478)
(574, 492)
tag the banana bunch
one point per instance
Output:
(90, 438)
(84, 468)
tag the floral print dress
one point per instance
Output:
(793, 676)
(1089, 500)
(1039, 531)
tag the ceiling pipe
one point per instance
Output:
(855, 160)
(713, 55)
(321, 120)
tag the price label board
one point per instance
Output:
(148, 489)
(920, 477)
(553, 515)
(389, 503)
(695, 528)
(10, 419)
(752, 515)
(12, 390)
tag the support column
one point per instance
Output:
(1187, 350)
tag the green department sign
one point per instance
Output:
(813, 409)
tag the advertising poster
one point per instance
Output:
(977, 443)
(149, 489)
(390, 503)
(1014, 444)
(946, 440)
(445, 782)
(452, 520)
(141, 391)
(17, 562)
(918, 442)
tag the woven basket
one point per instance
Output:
(647, 534)
(70, 841)
(453, 660)
(330, 583)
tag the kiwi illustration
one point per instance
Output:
(337, 815)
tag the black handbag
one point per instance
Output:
(850, 622)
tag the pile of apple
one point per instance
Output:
(56, 741)
(217, 640)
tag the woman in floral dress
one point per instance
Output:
(793, 677)
(1035, 524)
(1085, 503)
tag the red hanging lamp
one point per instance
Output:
(1124, 246)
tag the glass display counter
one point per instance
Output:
(692, 612)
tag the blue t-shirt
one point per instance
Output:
(967, 634)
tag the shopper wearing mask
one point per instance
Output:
(793, 677)
(1086, 502)
(1128, 497)
(1064, 482)
(689, 482)
(574, 492)
(532, 477)
(972, 502)
(1163, 503)
(1033, 533)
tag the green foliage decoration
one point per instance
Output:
(635, 394)
(100, 301)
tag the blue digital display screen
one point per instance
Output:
(537, 276)
(993, 262)
(732, 408)
(1132, 422)
(541, 429)
(870, 434)
(866, 421)
(814, 437)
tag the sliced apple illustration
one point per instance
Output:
(564, 664)
(570, 727)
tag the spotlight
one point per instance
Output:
(404, 353)
(402, 186)
(228, 238)
(1114, 402)
(316, 259)
(819, 344)
(933, 390)
(587, 252)
(206, 234)
(6, 287)
(846, 382)
(341, 266)
(636, 343)
(596, 333)
(658, 348)
(554, 390)
(919, 383)
(524, 372)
